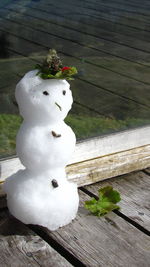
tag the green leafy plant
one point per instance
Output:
(52, 68)
(108, 197)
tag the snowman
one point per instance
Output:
(41, 194)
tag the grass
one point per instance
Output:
(9, 125)
(83, 126)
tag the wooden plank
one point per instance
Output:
(94, 170)
(115, 100)
(102, 44)
(104, 13)
(128, 5)
(119, 65)
(10, 166)
(97, 43)
(73, 32)
(123, 10)
(109, 144)
(122, 80)
(85, 23)
(86, 19)
(134, 189)
(104, 79)
(140, 4)
(20, 247)
(96, 155)
(102, 168)
(137, 3)
(112, 101)
(113, 11)
(108, 241)
(126, 105)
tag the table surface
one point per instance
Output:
(120, 238)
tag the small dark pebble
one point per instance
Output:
(54, 183)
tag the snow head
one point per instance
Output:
(43, 100)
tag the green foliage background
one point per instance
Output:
(83, 126)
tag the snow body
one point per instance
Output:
(41, 194)
(47, 150)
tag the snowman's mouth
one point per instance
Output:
(58, 106)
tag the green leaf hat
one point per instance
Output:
(52, 68)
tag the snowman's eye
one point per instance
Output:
(45, 93)
(64, 92)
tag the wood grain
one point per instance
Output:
(94, 170)
(96, 148)
(75, 31)
(104, 78)
(20, 247)
(108, 241)
(108, 144)
(102, 168)
(135, 193)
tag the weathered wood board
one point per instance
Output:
(84, 24)
(107, 241)
(93, 170)
(20, 247)
(135, 193)
(74, 31)
(43, 38)
(93, 12)
(106, 34)
(101, 168)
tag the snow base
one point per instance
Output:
(34, 200)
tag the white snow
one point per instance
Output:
(44, 145)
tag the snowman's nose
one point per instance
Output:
(58, 106)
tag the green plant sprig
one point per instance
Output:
(108, 197)
(52, 68)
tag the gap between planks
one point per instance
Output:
(90, 32)
(91, 13)
(134, 189)
(82, 44)
(59, 238)
(95, 241)
(20, 246)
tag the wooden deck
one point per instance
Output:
(122, 238)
